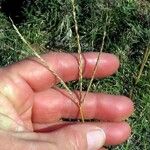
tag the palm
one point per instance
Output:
(19, 102)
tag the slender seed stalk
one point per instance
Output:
(97, 61)
(95, 67)
(80, 60)
(145, 59)
(79, 47)
(81, 113)
(46, 65)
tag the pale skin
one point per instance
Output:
(32, 106)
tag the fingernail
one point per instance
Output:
(96, 139)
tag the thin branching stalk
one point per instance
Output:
(79, 47)
(145, 59)
(95, 67)
(81, 113)
(97, 61)
(92, 78)
(80, 60)
(46, 65)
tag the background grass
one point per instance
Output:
(48, 25)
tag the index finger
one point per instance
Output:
(66, 66)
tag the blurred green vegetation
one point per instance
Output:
(48, 25)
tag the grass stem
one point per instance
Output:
(79, 47)
(145, 59)
(46, 65)
(97, 61)
(81, 113)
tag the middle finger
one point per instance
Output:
(52, 105)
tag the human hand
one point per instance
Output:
(31, 107)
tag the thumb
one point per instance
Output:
(78, 137)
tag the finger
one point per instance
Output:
(72, 137)
(79, 137)
(66, 66)
(28, 141)
(52, 105)
(116, 133)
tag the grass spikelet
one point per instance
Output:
(46, 65)
(79, 47)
